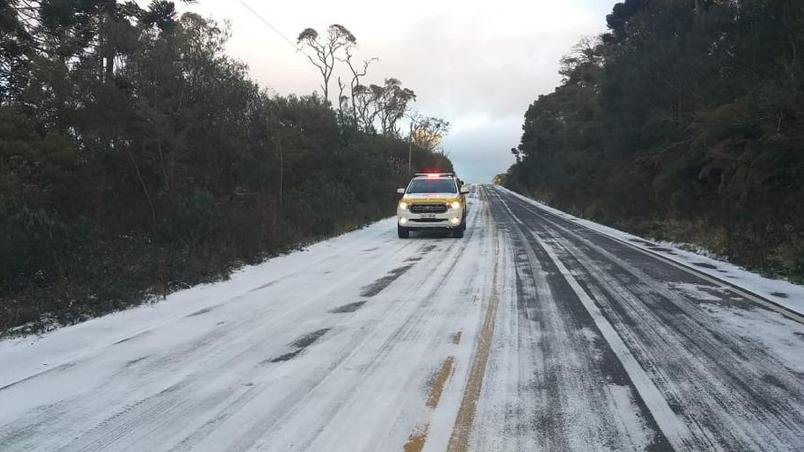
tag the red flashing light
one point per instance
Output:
(433, 173)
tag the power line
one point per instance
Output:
(274, 29)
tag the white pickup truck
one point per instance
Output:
(432, 201)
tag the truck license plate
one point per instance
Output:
(428, 215)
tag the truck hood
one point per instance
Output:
(419, 198)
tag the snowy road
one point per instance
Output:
(533, 332)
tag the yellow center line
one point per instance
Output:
(419, 436)
(416, 440)
(440, 382)
(459, 440)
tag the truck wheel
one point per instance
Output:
(402, 232)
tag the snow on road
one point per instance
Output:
(533, 332)
(783, 293)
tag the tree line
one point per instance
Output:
(137, 158)
(683, 121)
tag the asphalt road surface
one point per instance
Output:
(531, 333)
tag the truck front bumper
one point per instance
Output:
(451, 219)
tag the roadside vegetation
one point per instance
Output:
(136, 158)
(685, 122)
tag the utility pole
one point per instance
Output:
(410, 146)
(277, 141)
(414, 118)
(281, 170)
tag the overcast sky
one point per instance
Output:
(476, 64)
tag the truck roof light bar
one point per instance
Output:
(439, 174)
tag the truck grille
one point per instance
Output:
(428, 208)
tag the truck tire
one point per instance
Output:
(402, 232)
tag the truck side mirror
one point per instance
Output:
(401, 191)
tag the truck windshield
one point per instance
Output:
(432, 186)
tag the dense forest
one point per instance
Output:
(684, 121)
(136, 158)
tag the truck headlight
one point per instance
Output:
(403, 205)
(455, 205)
